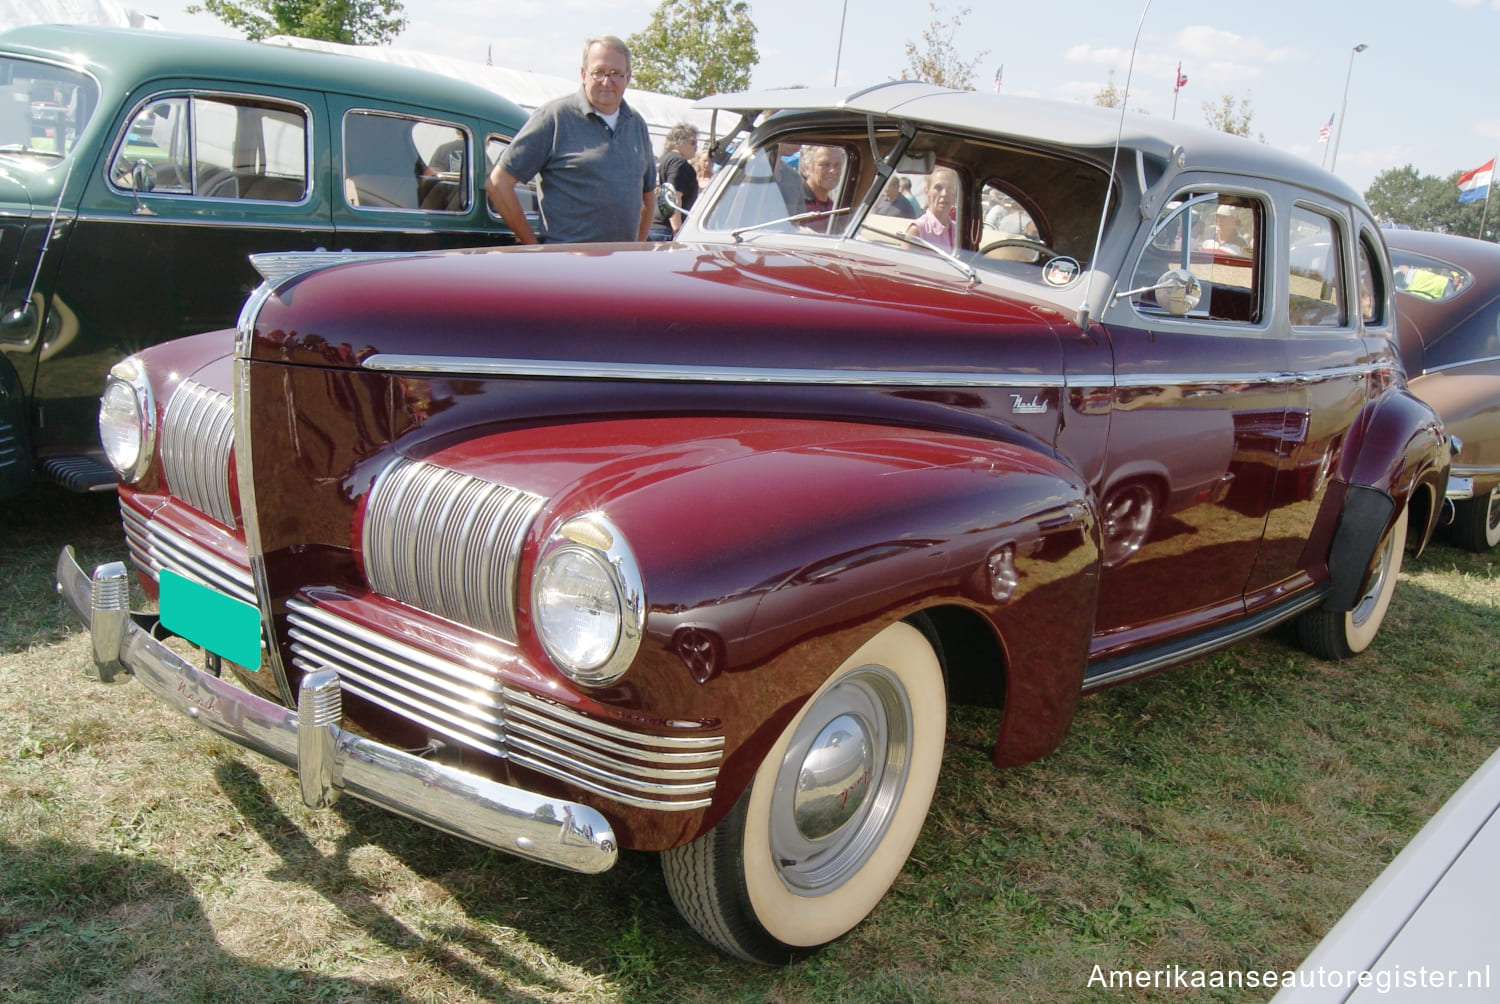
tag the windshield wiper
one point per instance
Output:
(948, 256)
(820, 214)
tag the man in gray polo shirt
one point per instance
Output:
(593, 153)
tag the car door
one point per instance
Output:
(195, 180)
(1197, 420)
(1341, 352)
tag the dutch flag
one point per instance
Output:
(1475, 185)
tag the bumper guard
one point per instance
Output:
(329, 760)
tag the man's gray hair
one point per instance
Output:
(609, 42)
(682, 132)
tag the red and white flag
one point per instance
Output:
(1326, 130)
(1181, 80)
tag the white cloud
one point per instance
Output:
(1488, 128)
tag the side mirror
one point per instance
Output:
(666, 195)
(1178, 291)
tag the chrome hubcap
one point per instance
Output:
(841, 781)
(835, 777)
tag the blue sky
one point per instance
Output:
(1423, 93)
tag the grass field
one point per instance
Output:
(1220, 816)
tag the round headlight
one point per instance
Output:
(127, 420)
(587, 603)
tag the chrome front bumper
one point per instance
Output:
(328, 760)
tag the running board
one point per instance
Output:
(1112, 671)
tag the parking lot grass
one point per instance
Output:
(1219, 816)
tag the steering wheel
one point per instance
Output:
(1043, 252)
(221, 184)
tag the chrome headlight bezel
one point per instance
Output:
(598, 545)
(128, 397)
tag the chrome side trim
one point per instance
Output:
(453, 700)
(578, 370)
(1460, 364)
(197, 436)
(388, 362)
(447, 542)
(507, 818)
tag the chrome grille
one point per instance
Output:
(197, 435)
(154, 545)
(448, 543)
(459, 703)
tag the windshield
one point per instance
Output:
(983, 203)
(43, 108)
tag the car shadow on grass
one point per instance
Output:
(80, 924)
(619, 925)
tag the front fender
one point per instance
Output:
(15, 434)
(771, 550)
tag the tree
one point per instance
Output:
(1425, 202)
(692, 48)
(1109, 95)
(352, 22)
(938, 62)
(1224, 116)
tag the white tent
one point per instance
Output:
(661, 111)
(106, 12)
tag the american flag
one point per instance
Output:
(1181, 80)
(1326, 131)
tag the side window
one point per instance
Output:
(1372, 292)
(1005, 219)
(1216, 237)
(1315, 287)
(215, 147)
(157, 139)
(401, 162)
(525, 190)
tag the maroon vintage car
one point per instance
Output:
(689, 547)
(1448, 303)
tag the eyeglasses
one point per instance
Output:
(613, 76)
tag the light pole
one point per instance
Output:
(1334, 160)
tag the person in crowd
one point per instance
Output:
(1227, 238)
(675, 168)
(703, 164)
(935, 226)
(911, 200)
(893, 203)
(821, 167)
(592, 155)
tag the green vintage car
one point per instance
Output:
(139, 169)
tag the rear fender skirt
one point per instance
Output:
(1362, 525)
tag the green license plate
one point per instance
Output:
(208, 618)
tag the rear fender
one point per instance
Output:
(1400, 461)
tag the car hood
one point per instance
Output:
(690, 305)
